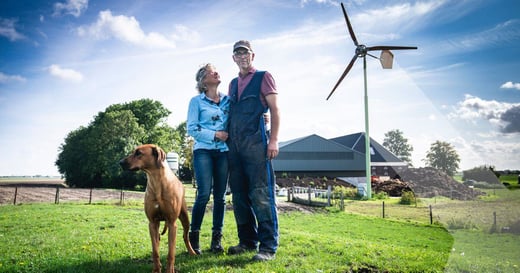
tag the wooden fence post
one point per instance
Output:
(57, 197)
(309, 193)
(431, 215)
(90, 197)
(383, 209)
(341, 202)
(494, 227)
(15, 194)
(329, 193)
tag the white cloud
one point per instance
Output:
(472, 108)
(501, 114)
(493, 152)
(72, 7)
(511, 85)
(64, 73)
(4, 78)
(126, 29)
(8, 30)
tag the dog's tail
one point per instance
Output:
(185, 220)
(165, 228)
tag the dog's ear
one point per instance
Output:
(159, 155)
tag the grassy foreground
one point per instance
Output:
(479, 244)
(109, 238)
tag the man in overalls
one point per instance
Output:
(251, 148)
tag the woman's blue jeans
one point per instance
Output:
(211, 173)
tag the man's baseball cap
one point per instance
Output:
(242, 44)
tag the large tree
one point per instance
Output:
(151, 116)
(396, 143)
(89, 156)
(442, 156)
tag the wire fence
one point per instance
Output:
(492, 216)
(30, 194)
(487, 216)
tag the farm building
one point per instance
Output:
(382, 161)
(343, 156)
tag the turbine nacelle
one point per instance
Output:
(361, 51)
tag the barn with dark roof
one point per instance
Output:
(342, 156)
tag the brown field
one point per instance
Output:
(43, 190)
(34, 190)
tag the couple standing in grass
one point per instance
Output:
(231, 140)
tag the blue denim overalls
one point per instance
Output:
(251, 176)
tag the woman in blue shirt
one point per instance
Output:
(207, 124)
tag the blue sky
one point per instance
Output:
(63, 61)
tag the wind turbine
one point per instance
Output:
(386, 59)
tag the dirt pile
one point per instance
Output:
(393, 187)
(430, 182)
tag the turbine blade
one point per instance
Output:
(372, 48)
(350, 30)
(349, 66)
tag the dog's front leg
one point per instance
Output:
(155, 236)
(172, 242)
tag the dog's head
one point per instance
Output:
(144, 157)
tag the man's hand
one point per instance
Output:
(221, 135)
(272, 150)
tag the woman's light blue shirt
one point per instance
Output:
(205, 117)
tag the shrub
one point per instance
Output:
(407, 198)
(347, 192)
(380, 195)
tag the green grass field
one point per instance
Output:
(111, 238)
(106, 237)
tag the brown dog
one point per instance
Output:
(163, 200)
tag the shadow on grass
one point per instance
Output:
(183, 263)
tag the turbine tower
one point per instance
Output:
(386, 59)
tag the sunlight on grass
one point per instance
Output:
(110, 238)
